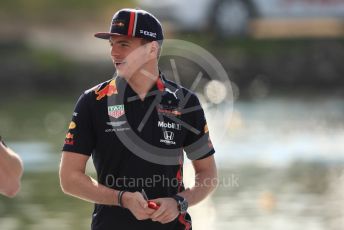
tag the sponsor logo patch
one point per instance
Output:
(171, 92)
(118, 23)
(168, 138)
(69, 142)
(116, 111)
(72, 125)
(109, 90)
(116, 123)
(169, 125)
(148, 33)
(169, 112)
(69, 136)
(113, 130)
(69, 139)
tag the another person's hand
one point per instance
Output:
(11, 170)
(137, 205)
(167, 212)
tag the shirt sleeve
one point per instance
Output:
(80, 137)
(197, 143)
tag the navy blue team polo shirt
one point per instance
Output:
(139, 144)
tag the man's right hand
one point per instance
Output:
(137, 205)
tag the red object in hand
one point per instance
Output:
(153, 205)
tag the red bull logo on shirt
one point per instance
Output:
(169, 112)
(69, 136)
(69, 139)
(116, 111)
(108, 90)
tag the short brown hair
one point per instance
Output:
(146, 41)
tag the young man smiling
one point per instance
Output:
(129, 122)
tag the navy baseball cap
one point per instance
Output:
(134, 23)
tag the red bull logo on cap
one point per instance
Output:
(118, 23)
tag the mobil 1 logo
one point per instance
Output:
(169, 125)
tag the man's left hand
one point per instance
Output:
(167, 212)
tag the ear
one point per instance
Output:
(154, 49)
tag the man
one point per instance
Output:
(129, 148)
(11, 170)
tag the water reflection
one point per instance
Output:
(37, 156)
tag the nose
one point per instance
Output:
(114, 51)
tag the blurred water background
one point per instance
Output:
(280, 160)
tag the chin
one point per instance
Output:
(122, 74)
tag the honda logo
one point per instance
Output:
(168, 135)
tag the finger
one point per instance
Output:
(164, 218)
(169, 218)
(144, 213)
(158, 212)
(141, 200)
(142, 217)
(149, 211)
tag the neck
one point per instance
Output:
(143, 80)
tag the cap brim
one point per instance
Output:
(105, 35)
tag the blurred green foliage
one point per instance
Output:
(42, 205)
(26, 118)
(50, 10)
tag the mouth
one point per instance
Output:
(119, 64)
